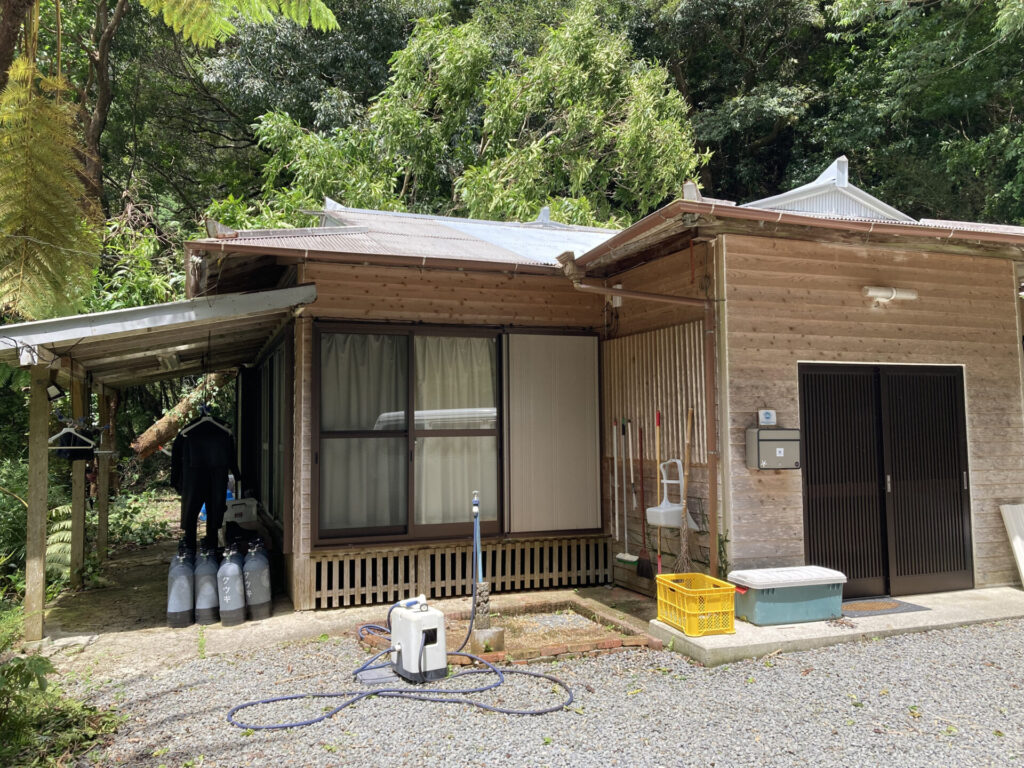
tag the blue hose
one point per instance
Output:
(437, 695)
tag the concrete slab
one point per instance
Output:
(945, 609)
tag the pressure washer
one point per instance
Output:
(418, 655)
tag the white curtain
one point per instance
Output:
(363, 481)
(364, 386)
(456, 373)
(363, 381)
(456, 388)
(448, 470)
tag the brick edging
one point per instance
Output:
(546, 653)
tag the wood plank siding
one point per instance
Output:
(654, 359)
(641, 373)
(331, 576)
(403, 294)
(793, 301)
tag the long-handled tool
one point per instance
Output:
(657, 454)
(683, 558)
(622, 447)
(643, 564)
(623, 558)
(615, 476)
(633, 483)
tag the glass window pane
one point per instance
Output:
(363, 381)
(363, 482)
(456, 382)
(448, 470)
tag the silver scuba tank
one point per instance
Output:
(256, 573)
(207, 599)
(179, 591)
(231, 589)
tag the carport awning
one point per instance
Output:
(142, 344)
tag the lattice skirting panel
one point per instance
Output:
(384, 575)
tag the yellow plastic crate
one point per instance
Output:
(696, 604)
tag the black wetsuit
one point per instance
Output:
(200, 460)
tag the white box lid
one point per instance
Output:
(796, 576)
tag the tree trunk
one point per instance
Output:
(12, 15)
(166, 429)
(96, 121)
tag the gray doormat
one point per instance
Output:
(877, 606)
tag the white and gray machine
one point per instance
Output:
(417, 637)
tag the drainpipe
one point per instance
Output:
(576, 274)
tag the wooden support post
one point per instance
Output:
(35, 534)
(79, 410)
(103, 475)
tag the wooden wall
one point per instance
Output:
(675, 275)
(297, 557)
(356, 292)
(790, 301)
(654, 359)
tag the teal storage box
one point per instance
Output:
(767, 596)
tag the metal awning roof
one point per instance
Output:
(142, 344)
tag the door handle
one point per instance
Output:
(888, 483)
(965, 480)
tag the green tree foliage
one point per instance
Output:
(925, 100)
(140, 267)
(320, 79)
(207, 22)
(47, 242)
(751, 70)
(468, 126)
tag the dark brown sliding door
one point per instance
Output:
(929, 524)
(885, 477)
(844, 527)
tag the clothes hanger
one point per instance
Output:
(76, 433)
(206, 417)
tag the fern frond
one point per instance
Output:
(47, 244)
(58, 539)
(208, 22)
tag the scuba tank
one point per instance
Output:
(180, 579)
(207, 600)
(256, 573)
(230, 588)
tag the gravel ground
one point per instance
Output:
(944, 698)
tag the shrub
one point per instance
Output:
(40, 726)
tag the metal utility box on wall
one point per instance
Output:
(773, 448)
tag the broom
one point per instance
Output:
(643, 564)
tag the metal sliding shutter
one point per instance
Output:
(553, 441)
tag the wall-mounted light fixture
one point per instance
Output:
(884, 295)
(169, 362)
(54, 391)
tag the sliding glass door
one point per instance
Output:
(382, 473)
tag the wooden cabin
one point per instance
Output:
(392, 364)
(516, 363)
(441, 357)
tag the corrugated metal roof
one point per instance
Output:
(160, 341)
(390, 233)
(976, 226)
